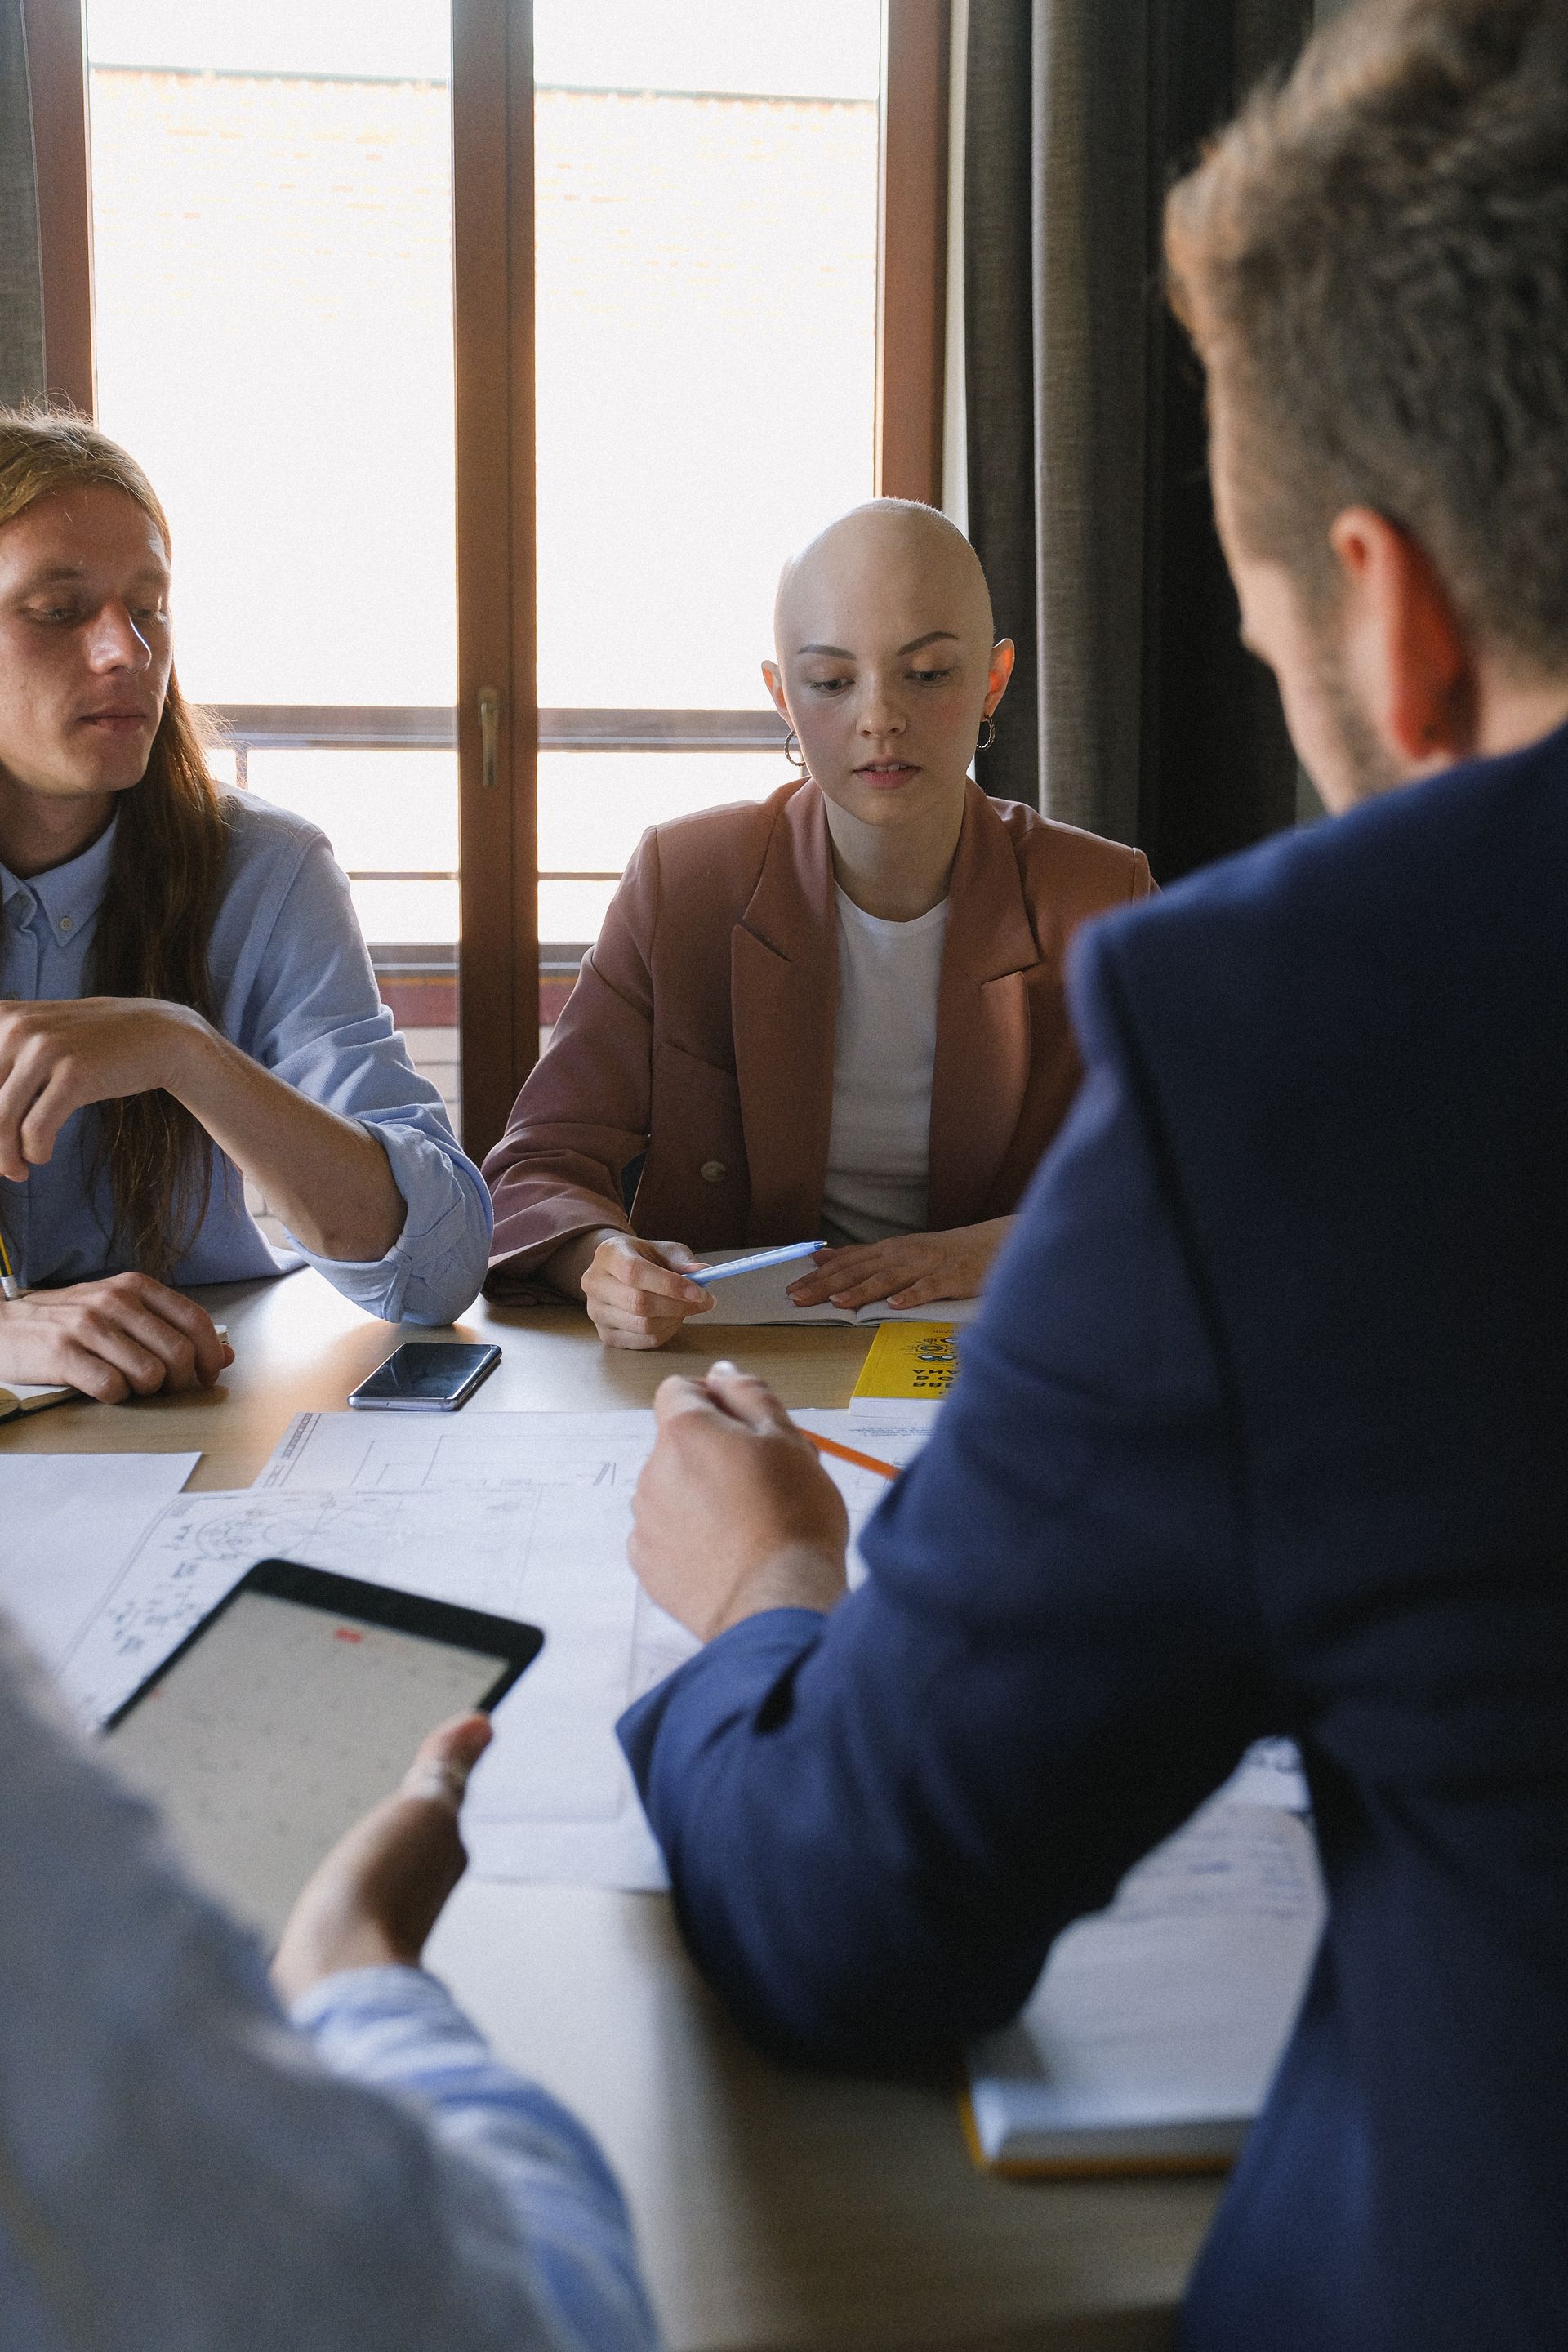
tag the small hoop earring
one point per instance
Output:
(988, 734)
(793, 738)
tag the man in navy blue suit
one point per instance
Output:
(1264, 1428)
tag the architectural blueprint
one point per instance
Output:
(553, 1798)
(526, 1515)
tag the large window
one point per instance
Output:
(706, 194)
(691, 337)
(272, 233)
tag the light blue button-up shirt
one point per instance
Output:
(180, 2172)
(294, 989)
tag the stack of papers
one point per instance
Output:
(529, 1515)
(108, 1566)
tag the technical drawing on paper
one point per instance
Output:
(490, 1450)
(553, 1798)
(526, 1515)
(200, 1544)
(388, 1468)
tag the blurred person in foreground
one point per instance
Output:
(1261, 1428)
(183, 2170)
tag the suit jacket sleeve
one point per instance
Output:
(583, 1115)
(876, 1822)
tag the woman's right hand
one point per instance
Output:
(125, 1334)
(636, 1292)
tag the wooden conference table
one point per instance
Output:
(777, 2211)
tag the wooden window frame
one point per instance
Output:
(55, 32)
(498, 718)
(498, 714)
(912, 249)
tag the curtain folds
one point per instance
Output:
(21, 286)
(1134, 710)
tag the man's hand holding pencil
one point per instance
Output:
(733, 1513)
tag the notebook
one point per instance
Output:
(909, 1360)
(1151, 2040)
(763, 1298)
(17, 1397)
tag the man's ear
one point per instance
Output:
(1404, 645)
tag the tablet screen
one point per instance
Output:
(279, 1723)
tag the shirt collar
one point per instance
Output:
(71, 894)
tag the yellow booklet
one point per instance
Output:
(909, 1360)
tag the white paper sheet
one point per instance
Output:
(69, 1522)
(529, 1513)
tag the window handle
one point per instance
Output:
(490, 731)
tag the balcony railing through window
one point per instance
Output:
(419, 978)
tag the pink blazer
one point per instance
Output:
(701, 1033)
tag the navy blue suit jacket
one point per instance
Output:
(1264, 1429)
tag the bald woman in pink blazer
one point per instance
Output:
(706, 1037)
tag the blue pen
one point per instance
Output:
(755, 1265)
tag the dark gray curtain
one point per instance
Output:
(21, 288)
(1134, 710)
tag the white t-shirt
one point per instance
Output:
(883, 1052)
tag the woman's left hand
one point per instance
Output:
(910, 1270)
(55, 1058)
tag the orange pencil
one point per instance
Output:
(847, 1453)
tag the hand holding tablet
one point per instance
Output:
(375, 1898)
(291, 1710)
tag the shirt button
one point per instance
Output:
(714, 1172)
(67, 924)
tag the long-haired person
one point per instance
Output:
(184, 994)
(837, 1012)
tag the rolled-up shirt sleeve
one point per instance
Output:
(313, 1016)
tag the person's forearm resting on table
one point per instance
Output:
(565, 1268)
(325, 1176)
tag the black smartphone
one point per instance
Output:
(426, 1376)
